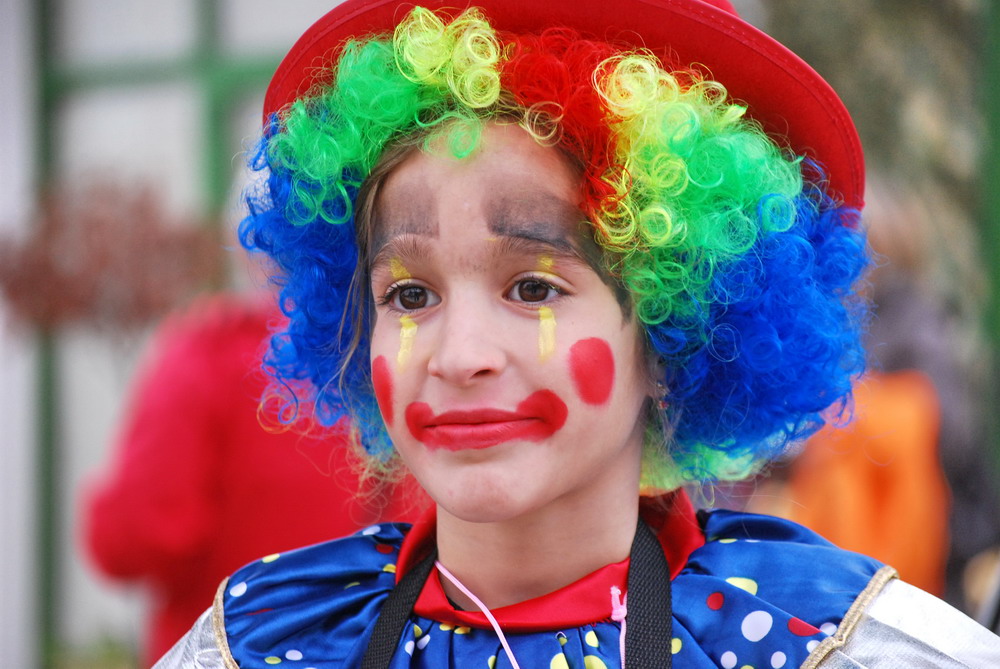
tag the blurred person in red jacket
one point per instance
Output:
(197, 487)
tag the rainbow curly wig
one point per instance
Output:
(733, 257)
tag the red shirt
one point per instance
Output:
(197, 487)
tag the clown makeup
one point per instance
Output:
(546, 333)
(407, 331)
(546, 318)
(592, 365)
(407, 328)
(398, 269)
(497, 413)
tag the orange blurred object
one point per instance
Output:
(876, 485)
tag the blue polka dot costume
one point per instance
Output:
(748, 591)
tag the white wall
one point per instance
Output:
(17, 613)
(137, 134)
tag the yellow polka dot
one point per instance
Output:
(726, 541)
(463, 630)
(352, 584)
(492, 662)
(591, 638)
(594, 662)
(272, 659)
(675, 645)
(558, 662)
(391, 568)
(446, 627)
(747, 584)
(417, 631)
(562, 639)
(747, 666)
(270, 558)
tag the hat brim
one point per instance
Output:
(783, 93)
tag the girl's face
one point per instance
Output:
(508, 377)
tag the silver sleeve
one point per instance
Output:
(904, 626)
(196, 650)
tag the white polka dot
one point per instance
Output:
(238, 590)
(828, 629)
(811, 645)
(778, 660)
(424, 640)
(408, 648)
(756, 625)
(293, 655)
(374, 529)
(728, 660)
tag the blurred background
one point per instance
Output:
(123, 126)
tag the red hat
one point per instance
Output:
(786, 96)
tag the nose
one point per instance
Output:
(469, 346)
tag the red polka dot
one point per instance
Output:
(383, 548)
(259, 611)
(800, 627)
(715, 601)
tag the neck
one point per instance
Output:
(515, 560)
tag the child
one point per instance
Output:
(539, 257)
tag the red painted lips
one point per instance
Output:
(536, 418)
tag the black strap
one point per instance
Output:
(647, 632)
(395, 612)
(649, 626)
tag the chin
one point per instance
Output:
(488, 501)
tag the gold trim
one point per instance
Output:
(851, 619)
(219, 627)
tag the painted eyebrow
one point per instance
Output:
(417, 217)
(408, 248)
(527, 242)
(533, 213)
(552, 225)
(405, 247)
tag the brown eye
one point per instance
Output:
(412, 297)
(531, 290)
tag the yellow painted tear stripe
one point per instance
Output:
(546, 333)
(398, 270)
(408, 330)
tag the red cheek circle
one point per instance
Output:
(382, 383)
(593, 368)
